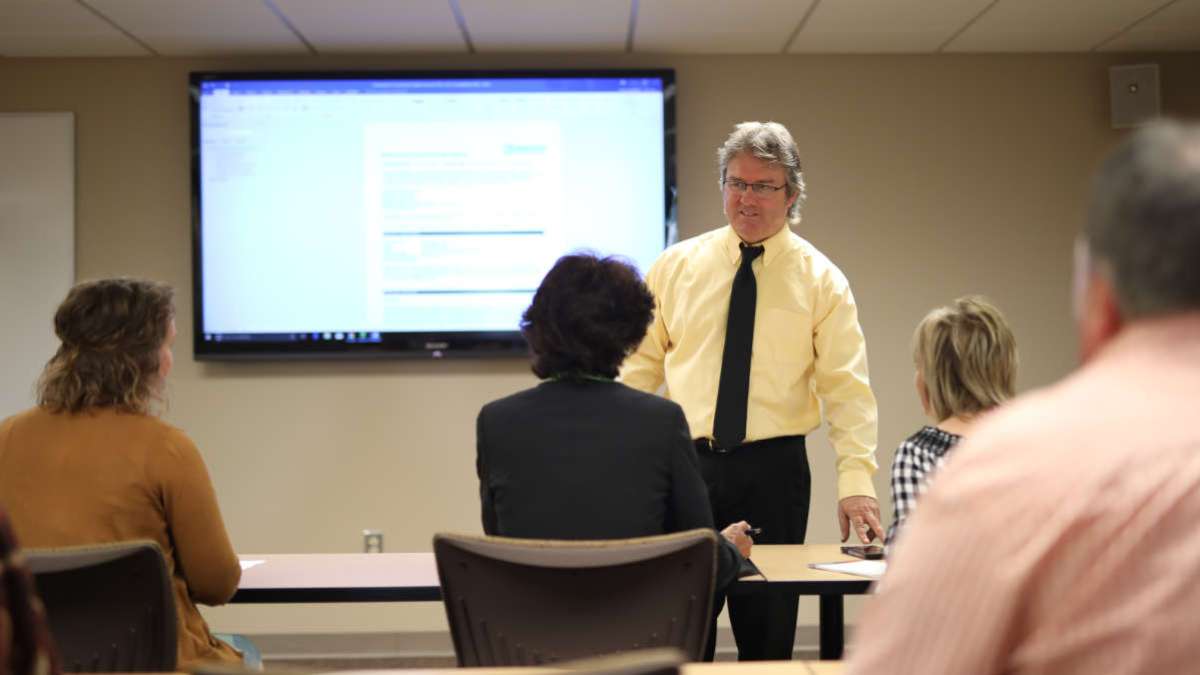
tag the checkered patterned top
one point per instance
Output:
(912, 467)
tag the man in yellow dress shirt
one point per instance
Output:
(805, 353)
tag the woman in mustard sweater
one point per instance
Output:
(92, 463)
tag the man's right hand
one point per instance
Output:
(860, 513)
(736, 534)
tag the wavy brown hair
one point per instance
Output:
(111, 332)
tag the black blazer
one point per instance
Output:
(585, 459)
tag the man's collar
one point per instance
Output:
(772, 245)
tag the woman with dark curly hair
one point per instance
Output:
(581, 456)
(93, 464)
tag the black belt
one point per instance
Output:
(709, 446)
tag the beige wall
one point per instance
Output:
(929, 177)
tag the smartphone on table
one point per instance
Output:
(872, 552)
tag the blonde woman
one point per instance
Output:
(92, 463)
(966, 362)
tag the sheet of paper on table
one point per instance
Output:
(871, 569)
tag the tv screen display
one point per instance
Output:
(413, 214)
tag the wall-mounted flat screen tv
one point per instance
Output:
(413, 213)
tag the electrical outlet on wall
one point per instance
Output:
(372, 541)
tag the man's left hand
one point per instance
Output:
(860, 513)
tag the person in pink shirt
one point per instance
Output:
(1061, 536)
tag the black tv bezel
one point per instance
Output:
(397, 345)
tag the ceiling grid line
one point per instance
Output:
(461, 22)
(149, 28)
(274, 9)
(970, 22)
(633, 17)
(787, 44)
(119, 28)
(1131, 26)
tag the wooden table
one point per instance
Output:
(723, 668)
(339, 577)
(409, 577)
(786, 568)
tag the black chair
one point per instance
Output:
(110, 607)
(533, 601)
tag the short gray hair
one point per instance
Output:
(1143, 226)
(770, 142)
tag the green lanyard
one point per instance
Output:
(560, 377)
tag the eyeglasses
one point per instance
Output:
(760, 189)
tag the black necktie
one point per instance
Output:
(733, 391)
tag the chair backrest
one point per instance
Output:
(110, 607)
(532, 601)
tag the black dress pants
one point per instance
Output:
(766, 483)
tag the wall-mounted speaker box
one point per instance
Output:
(1133, 94)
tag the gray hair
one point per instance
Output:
(770, 142)
(1143, 226)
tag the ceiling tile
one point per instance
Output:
(203, 27)
(1176, 28)
(542, 25)
(375, 25)
(39, 28)
(1041, 26)
(726, 27)
(70, 28)
(884, 26)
